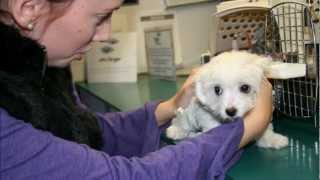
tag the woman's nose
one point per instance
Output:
(103, 32)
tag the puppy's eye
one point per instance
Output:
(245, 88)
(218, 90)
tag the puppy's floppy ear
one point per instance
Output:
(263, 62)
(202, 80)
(257, 67)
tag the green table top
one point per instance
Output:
(128, 96)
(299, 161)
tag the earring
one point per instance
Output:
(30, 26)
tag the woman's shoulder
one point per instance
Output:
(13, 127)
(5, 118)
(25, 150)
(9, 124)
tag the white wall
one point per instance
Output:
(192, 22)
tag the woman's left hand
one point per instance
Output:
(166, 110)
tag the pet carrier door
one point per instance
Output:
(291, 37)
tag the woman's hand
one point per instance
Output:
(166, 110)
(257, 120)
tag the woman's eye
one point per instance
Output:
(103, 17)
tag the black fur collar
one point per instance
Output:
(45, 100)
(20, 54)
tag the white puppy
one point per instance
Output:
(225, 89)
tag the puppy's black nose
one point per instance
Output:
(231, 111)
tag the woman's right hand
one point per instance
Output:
(166, 110)
(183, 97)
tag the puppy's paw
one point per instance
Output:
(194, 134)
(276, 141)
(176, 133)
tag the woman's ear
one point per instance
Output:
(27, 12)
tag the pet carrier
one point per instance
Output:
(291, 37)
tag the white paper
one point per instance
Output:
(115, 61)
(280, 70)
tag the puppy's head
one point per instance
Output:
(229, 84)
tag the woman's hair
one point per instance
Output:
(57, 9)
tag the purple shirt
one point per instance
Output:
(131, 151)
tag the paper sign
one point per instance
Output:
(113, 61)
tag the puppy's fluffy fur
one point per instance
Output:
(225, 89)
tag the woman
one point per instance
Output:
(46, 134)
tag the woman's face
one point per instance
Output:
(70, 36)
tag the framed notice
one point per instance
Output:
(160, 52)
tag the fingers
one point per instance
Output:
(186, 92)
(194, 71)
(266, 82)
(265, 87)
(189, 83)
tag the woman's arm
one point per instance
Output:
(166, 110)
(29, 153)
(257, 120)
(132, 133)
